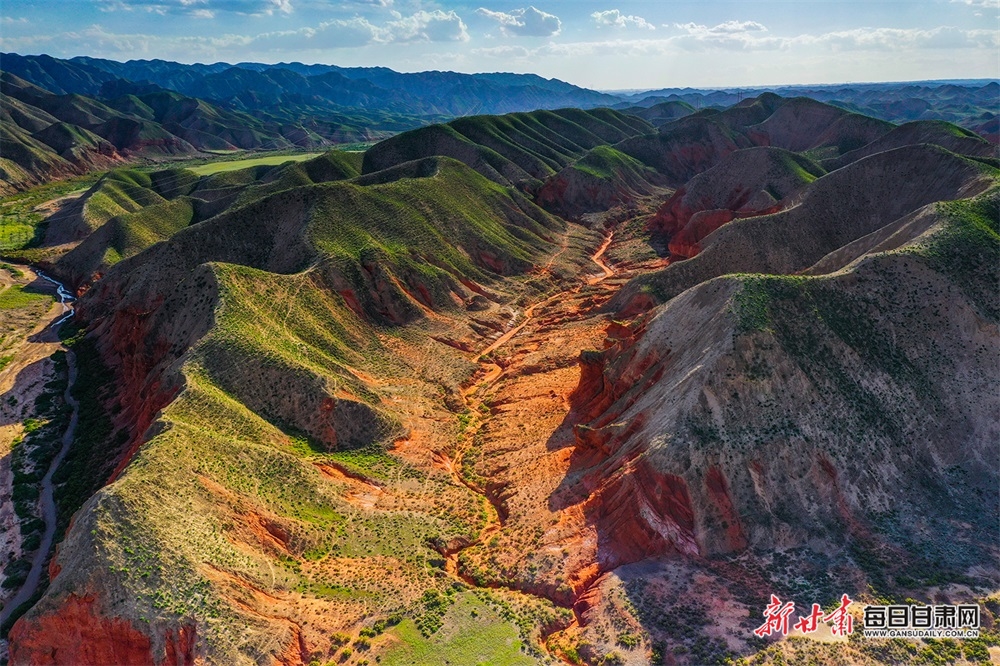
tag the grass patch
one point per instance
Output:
(968, 247)
(470, 632)
(20, 296)
(235, 165)
(18, 217)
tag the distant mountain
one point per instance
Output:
(967, 103)
(45, 136)
(251, 86)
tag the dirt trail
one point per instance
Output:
(597, 258)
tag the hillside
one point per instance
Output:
(601, 179)
(520, 148)
(745, 183)
(836, 209)
(946, 135)
(799, 415)
(48, 136)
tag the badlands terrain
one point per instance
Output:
(571, 386)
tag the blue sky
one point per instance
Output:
(606, 45)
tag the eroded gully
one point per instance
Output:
(489, 373)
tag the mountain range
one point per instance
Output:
(560, 385)
(167, 109)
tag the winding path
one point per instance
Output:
(46, 500)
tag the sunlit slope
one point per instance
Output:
(268, 381)
(518, 148)
(128, 211)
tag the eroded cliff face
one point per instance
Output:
(835, 424)
(81, 633)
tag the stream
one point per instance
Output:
(46, 499)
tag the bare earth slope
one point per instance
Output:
(793, 413)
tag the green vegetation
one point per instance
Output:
(20, 296)
(467, 631)
(432, 229)
(513, 148)
(118, 192)
(18, 217)
(234, 165)
(604, 162)
(803, 169)
(968, 247)
(808, 317)
(31, 457)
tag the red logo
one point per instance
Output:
(776, 618)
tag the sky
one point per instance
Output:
(606, 44)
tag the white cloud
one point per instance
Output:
(853, 49)
(528, 22)
(423, 26)
(734, 35)
(612, 18)
(506, 51)
(755, 39)
(10, 20)
(982, 4)
(201, 8)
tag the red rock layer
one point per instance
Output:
(688, 223)
(77, 633)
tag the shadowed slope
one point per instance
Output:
(835, 210)
(601, 179)
(745, 183)
(946, 135)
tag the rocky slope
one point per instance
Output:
(787, 413)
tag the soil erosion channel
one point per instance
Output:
(489, 373)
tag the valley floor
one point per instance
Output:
(29, 308)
